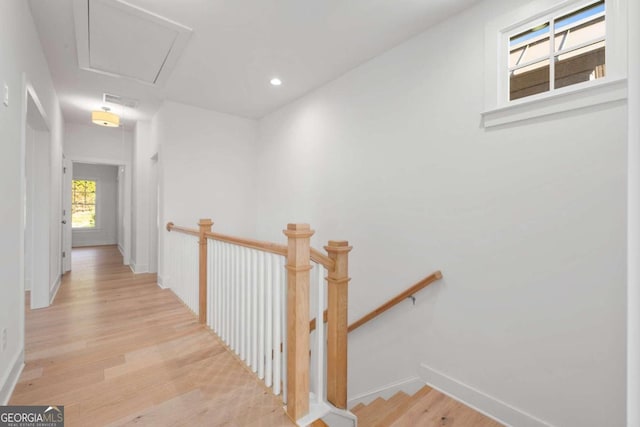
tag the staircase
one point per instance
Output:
(426, 408)
(256, 297)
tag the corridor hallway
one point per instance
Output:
(115, 349)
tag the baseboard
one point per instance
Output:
(10, 381)
(161, 282)
(138, 268)
(121, 250)
(407, 385)
(141, 268)
(54, 291)
(92, 243)
(481, 402)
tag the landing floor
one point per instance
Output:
(115, 349)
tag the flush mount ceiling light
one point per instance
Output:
(105, 118)
(275, 81)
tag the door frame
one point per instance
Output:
(67, 177)
(126, 255)
(41, 292)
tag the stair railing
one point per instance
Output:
(256, 297)
(402, 296)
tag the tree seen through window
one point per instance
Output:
(83, 203)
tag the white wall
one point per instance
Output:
(143, 196)
(205, 169)
(633, 257)
(29, 217)
(526, 222)
(106, 230)
(23, 62)
(120, 214)
(96, 144)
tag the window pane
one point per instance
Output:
(530, 34)
(580, 32)
(579, 15)
(529, 80)
(580, 65)
(83, 204)
(529, 46)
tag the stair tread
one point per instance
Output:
(357, 408)
(372, 412)
(398, 398)
(426, 408)
(395, 401)
(402, 407)
(439, 410)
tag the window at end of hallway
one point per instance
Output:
(83, 203)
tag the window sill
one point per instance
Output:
(82, 229)
(548, 104)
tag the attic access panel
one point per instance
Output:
(116, 38)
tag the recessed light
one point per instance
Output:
(275, 81)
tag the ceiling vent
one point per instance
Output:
(118, 39)
(120, 100)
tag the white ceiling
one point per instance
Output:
(236, 47)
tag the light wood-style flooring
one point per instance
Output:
(115, 349)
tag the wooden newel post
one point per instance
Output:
(298, 277)
(337, 323)
(205, 227)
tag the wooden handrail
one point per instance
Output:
(184, 230)
(394, 301)
(387, 305)
(322, 259)
(274, 248)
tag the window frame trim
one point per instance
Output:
(497, 32)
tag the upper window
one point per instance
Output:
(545, 57)
(83, 203)
(557, 51)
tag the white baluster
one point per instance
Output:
(254, 313)
(283, 305)
(261, 322)
(241, 341)
(232, 297)
(276, 325)
(229, 294)
(195, 275)
(268, 315)
(223, 284)
(211, 272)
(250, 296)
(238, 284)
(218, 287)
(214, 291)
